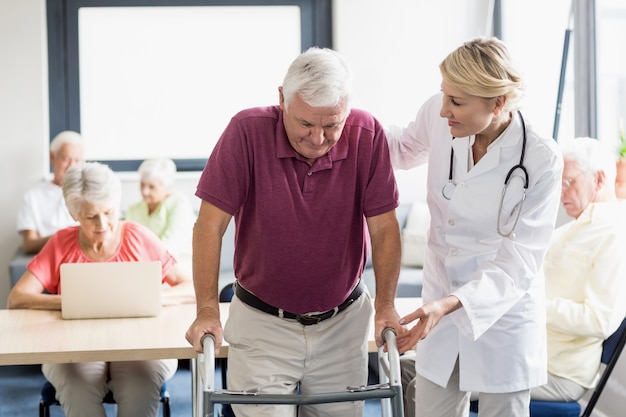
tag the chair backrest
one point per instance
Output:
(227, 293)
(612, 344)
(611, 351)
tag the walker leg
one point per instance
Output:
(194, 387)
(385, 403)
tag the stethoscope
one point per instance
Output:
(448, 189)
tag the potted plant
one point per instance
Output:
(620, 180)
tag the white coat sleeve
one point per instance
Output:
(409, 146)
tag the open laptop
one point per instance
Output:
(110, 289)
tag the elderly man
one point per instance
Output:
(43, 210)
(301, 179)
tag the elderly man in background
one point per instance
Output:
(43, 210)
(585, 269)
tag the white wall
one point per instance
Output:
(394, 48)
(23, 115)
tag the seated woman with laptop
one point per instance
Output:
(93, 195)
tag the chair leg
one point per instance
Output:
(165, 401)
(44, 410)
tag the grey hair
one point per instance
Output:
(93, 183)
(590, 156)
(162, 170)
(63, 138)
(483, 67)
(321, 77)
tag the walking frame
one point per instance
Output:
(389, 390)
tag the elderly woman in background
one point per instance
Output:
(169, 215)
(93, 193)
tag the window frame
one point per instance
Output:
(63, 62)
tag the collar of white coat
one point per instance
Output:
(511, 137)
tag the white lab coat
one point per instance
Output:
(499, 334)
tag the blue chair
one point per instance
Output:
(611, 351)
(227, 293)
(48, 398)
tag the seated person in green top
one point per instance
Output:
(169, 215)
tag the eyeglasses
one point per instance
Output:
(567, 182)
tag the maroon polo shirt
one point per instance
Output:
(300, 228)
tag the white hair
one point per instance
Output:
(321, 77)
(162, 170)
(63, 138)
(91, 182)
(590, 156)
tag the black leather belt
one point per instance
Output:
(306, 319)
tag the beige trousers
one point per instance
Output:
(558, 389)
(281, 356)
(80, 387)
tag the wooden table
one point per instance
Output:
(41, 336)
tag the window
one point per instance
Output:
(142, 79)
(525, 25)
(594, 82)
(611, 71)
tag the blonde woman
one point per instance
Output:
(482, 325)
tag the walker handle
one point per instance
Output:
(207, 361)
(391, 363)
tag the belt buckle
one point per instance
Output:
(307, 320)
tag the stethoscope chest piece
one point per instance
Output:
(448, 190)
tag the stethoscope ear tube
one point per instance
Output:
(508, 176)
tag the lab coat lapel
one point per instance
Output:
(487, 163)
(461, 148)
(494, 157)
